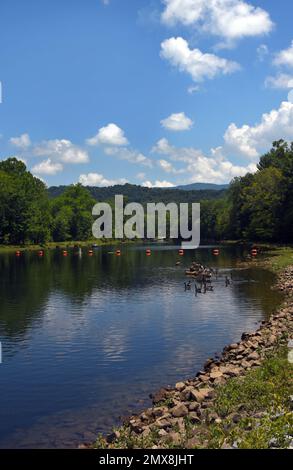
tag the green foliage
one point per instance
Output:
(71, 213)
(257, 207)
(24, 213)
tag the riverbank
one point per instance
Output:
(241, 400)
(68, 244)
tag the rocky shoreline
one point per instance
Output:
(164, 424)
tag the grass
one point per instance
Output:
(261, 403)
(279, 258)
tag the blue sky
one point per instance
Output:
(151, 92)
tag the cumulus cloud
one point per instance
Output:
(62, 150)
(47, 167)
(109, 135)
(130, 155)
(280, 81)
(228, 19)
(177, 122)
(22, 142)
(285, 57)
(158, 184)
(96, 179)
(194, 62)
(250, 141)
(199, 167)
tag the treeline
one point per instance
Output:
(28, 215)
(256, 207)
(142, 195)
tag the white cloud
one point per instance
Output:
(47, 167)
(193, 89)
(262, 52)
(141, 176)
(280, 81)
(96, 179)
(158, 184)
(130, 155)
(250, 141)
(285, 57)
(229, 19)
(62, 150)
(199, 167)
(21, 142)
(194, 62)
(109, 135)
(177, 122)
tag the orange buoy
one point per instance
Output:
(65, 253)
(91, 252)
(216, 252)
(18, 253)
(118, 252)
(40, 253)
(181, 252)
(254, 252)
(148, 252)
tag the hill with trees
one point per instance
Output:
(256, 207)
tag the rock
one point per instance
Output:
(193, 406)
(158, 412)
(180, 386)
(216, 374)
(201, 394)
(174, 438)
(254, 356)
(163, 423)
(231, 371)
(179, 411)
(159, 396)
(204, 378)
(193, 443)
(146, 432)
(185, 395)
(193, 418)
(162, 433)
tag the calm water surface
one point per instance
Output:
(86, 339)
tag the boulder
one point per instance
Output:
(179, 411)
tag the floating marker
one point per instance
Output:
(40, 253)
(254, 252)
(216, 252)
(18, 253)
(90, 252)
(148, 252)
(181, 252)
(65, 253)
(118, 253)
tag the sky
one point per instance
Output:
(151, 92)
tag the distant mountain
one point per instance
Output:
(143, 195)
(203, 186)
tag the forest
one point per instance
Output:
(255, 207)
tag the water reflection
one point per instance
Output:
(86, 339)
